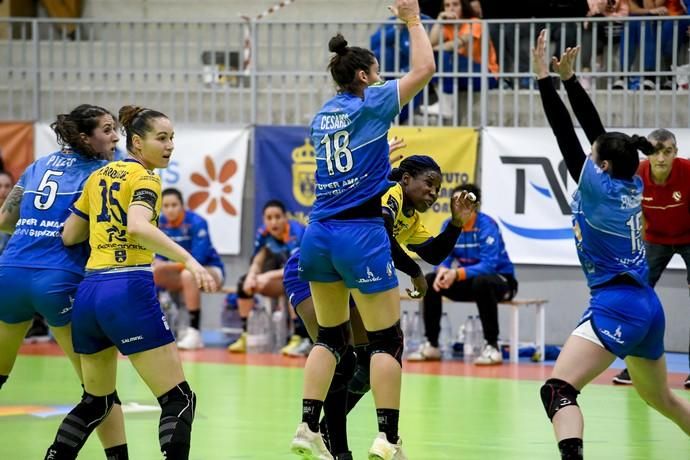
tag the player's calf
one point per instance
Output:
(79, 424)
(175, 427)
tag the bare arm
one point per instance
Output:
(422, 65)
(9, 213)
(139, 227)
(75, 230)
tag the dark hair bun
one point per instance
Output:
(128, 113)
(338, 45)
(642, 144)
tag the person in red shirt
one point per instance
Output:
(666, 211)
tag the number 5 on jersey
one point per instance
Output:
(338, 154)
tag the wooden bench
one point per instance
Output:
(514, 334)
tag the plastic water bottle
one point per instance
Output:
(445, 338)
(259, 331)
(405, 326)
(468, 345)
(478, 342)
(415, 341)
(280, 330)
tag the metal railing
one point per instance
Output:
(254, 72)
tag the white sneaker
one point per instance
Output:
(302, 349)
(309, 445)
(381, 449)
(435, 109)
(426, 353)
(191, 340)
(489, 356)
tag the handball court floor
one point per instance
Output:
(249, 406)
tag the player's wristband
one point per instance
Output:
(460, 274)
(415, 21)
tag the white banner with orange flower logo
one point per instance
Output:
(208, 166)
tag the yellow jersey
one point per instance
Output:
(407, 230)
(108, 194)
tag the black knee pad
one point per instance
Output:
(344, 370)
(557, 394)
(79, 424)
(177, 414)
(388, 341)
(335, 339)
(360, 381)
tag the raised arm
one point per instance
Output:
(556, 113)
(422, 65)
(582, 105)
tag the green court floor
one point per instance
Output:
(250, 412)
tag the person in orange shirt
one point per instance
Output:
(467, 39)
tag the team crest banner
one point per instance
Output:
(208, 166)
(527, 189)
(285, 165)
(285, 161)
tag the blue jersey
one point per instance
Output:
(349, 134)
(607, 221)
(192, 234)
(282, 247)
(51, 184)
(480, 249)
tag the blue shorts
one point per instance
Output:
(296, 290)
(357, 252)
(628, 320)
(118, 309)
(26, 291)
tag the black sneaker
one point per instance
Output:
(323, 428)
(38, 332)
(344, 456)
(623, 378)
(686, 384)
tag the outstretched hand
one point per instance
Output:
(462, 206)
(539, 64)
(405, 10)
(565, 65)
(395, 144)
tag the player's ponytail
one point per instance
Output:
(641, 144)
(621, 151)
(346, 62)
(135, 120)
(69, 127)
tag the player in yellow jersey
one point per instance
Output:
(116, 307)
(418, 180)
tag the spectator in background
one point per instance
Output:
(511, 59)
(596, 33)
(189, 230)
(676, 8)
(275, 240)
(390, 43)
(468, 39)
(629, 49)
(484, 274)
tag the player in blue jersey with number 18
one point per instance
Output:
(625, 318)
(345, 249)
(37, 272)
